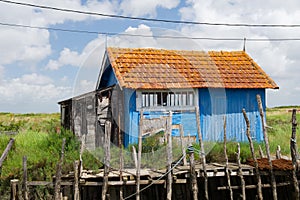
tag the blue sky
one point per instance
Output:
(40, 67)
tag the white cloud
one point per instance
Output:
(33, 45)
(279, 59)
(67, 57)
(20, 94)
(146, 7)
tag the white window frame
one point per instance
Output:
(175, 100)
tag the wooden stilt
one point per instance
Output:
(106, 158)
(134, 155)
(57, 188)
(240, 172)
(138, 169)
(294, 150)
(169, 156)
(261, 153)
(14, 189)
(193, 174)
(202, 153)
(182, 145)
(259, 186)
(261, 112)
(121, 164)
(226, 159)
(24, 185)
(76, 180)
(278, 152)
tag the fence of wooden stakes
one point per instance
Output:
(188, 177)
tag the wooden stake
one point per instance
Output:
(259, 187)
(202, 153)
(240, 172)
(193, 175)
(138, 169)
(294, 150)
(134, 155)
(261, 153)
(261, 112)
(57, 195)
(121, 164)
(169, 156)
(25, 187)
(278, 152)
(106, 158)
(76, 180)
(14, 189)
(182, 145)
(226, 159)
(5, 152)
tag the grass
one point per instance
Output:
(39, 138)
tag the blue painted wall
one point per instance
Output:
(214, 103)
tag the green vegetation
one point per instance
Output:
(40, 136)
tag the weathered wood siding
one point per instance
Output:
(85, 118)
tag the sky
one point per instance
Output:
(39, 67)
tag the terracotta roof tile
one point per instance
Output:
(163, 69)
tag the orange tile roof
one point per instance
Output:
(163, 69)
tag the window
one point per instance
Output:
(174, 100)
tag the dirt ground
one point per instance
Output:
(278, 164)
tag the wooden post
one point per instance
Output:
(226, 159)
(121, 164)
(138, 169)
(76, 180)
(5, 152)
(106, 158)
(57, 195)
(169, 156)
(240, 172)
(134, 155)
(182, 145)
(278, 152)
(259, 187)
(193, 173)
(261, 153)
(82, 147)
(202, 153)
(14, 189)
(261, 112)
(294, 150)
(24, 185)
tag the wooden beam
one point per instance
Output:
(257, 172)
(261, 112)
